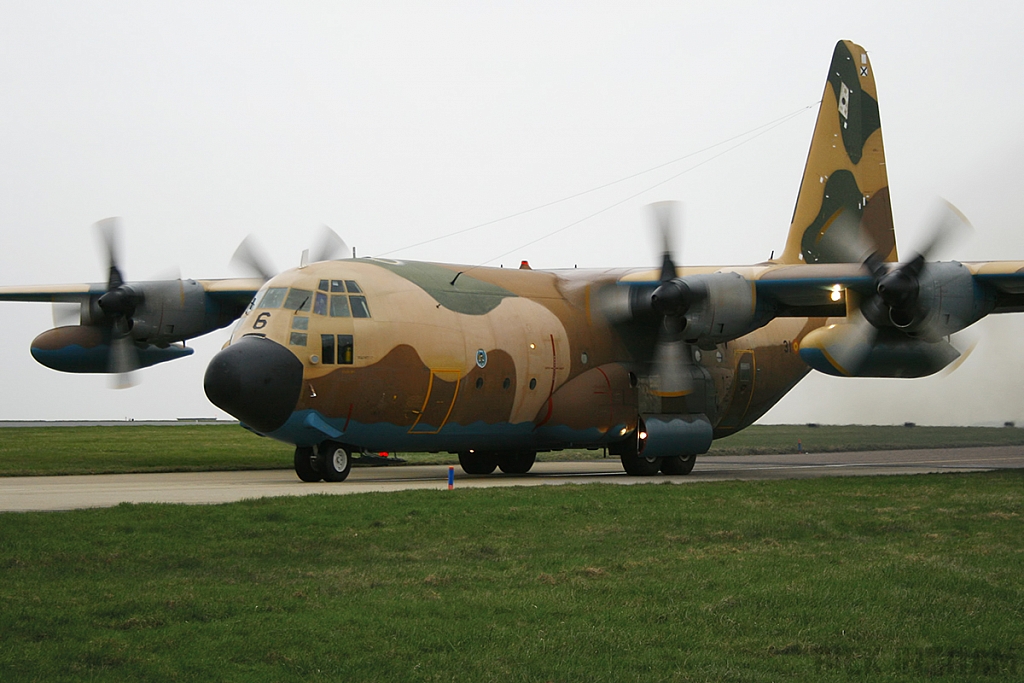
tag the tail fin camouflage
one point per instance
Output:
(843, 207)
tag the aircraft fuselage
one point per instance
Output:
(410, 356)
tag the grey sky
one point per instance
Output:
(199, 123)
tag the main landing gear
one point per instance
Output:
(630, 453)
(329, 461)
(485, 462)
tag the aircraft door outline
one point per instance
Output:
(439, 401)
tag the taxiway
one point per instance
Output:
(72, 492)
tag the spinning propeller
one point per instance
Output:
(118, 304)
(671, 373)
(252, 259)
(893, 301)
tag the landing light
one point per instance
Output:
(836, 293)
(643, 435)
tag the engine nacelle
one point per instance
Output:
(946, 300)
(726, 310)
(845, 350)
(86, 348)
(952, 298)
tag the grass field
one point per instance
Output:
(177, 448)
(886, 578)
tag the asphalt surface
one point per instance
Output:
(105, 490)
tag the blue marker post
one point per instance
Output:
(451, 477)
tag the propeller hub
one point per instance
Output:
(118, 302)
(672, 297)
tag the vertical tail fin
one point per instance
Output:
(843, 209)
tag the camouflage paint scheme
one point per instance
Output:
(414, 383)
(460, 358)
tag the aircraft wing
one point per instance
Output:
(62, 293)
(233, 291)
(226, 290)
(806, 290)
(1006, 279)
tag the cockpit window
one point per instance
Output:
(298, 300)
(273, 298)
(339, 306)
(359, 307)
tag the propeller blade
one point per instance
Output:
(65, 314)
(670, 375)
(124, 358)
(250, 258)
(110, 232)
(329, 246)
(949, 224)
(666, 221)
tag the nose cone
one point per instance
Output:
(256, 380)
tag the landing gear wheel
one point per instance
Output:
(306, 465)
(639, 466)
(335, 462)
(678, 464)
(519, 462)
(478, 463)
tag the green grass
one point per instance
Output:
(887, 578)
(136, 448)
(181, 448)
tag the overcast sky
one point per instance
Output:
(200, 123)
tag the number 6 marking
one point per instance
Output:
(261, 320)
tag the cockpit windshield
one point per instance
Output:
(292, 299)
(273, 298)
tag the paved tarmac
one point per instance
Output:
(105, 490)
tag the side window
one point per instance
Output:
(340, 353)
(327, 349)
(344, 349)
(352, 287)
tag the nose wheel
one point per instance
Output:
(335, 461)
(330, 462)
(307, 465)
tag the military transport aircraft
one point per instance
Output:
(369, 354)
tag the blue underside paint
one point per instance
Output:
(75, 358)
(817, 360)
(308, 428)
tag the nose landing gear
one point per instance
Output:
(329, 461)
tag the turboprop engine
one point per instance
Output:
(716, 307)
(902, 328)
